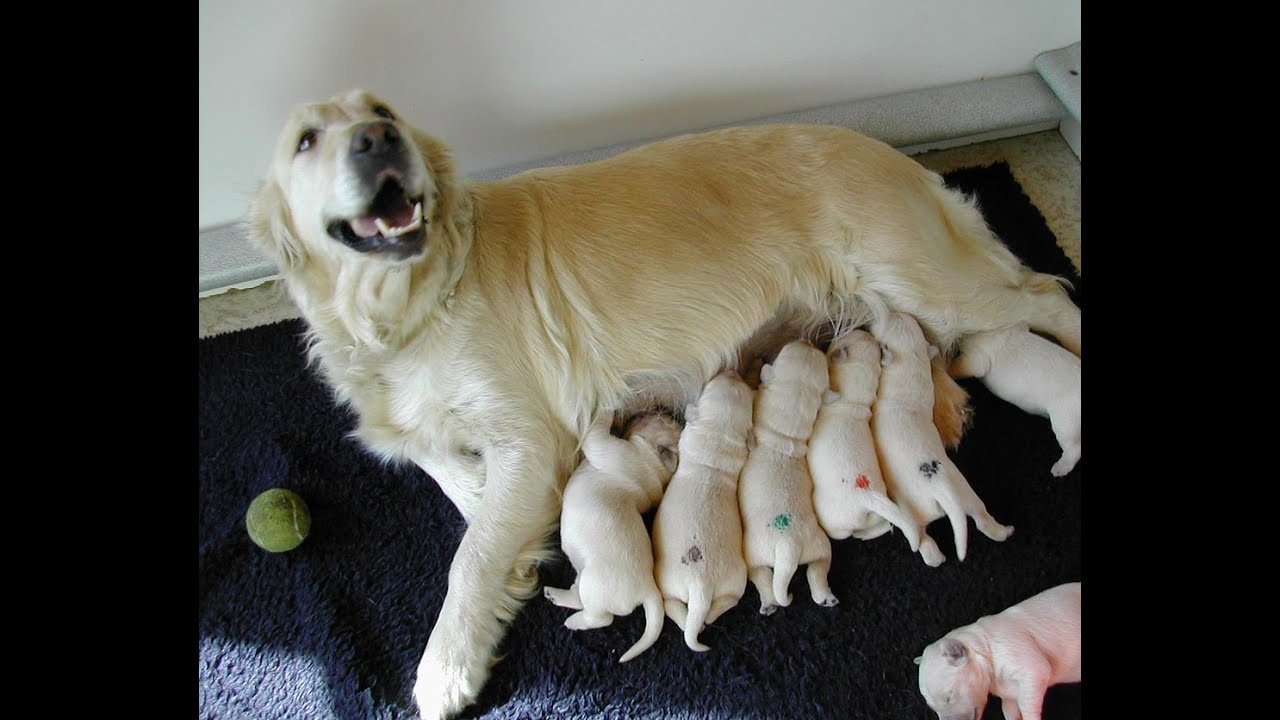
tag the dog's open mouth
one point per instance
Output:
(394, 224)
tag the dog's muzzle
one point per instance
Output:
(393, 223)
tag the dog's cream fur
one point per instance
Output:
(921, 478)
(536, 300)
(1016, 655)
(602, 531)
(1025, 369)
(697, 532)
(775, 493)
(849, 495)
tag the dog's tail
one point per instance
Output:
(786, 559)
(699, 607)
(653, 617)
(952, 506)
(881, 505)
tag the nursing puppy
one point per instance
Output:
(601, 528)
(775, 492)
(475, 329)
(697, 534)
(919, 475)
(849, 495)
(1038, 376)
(1016, 655)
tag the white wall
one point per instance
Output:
(507, 81)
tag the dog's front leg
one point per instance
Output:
(493, 573)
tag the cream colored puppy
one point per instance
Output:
(1016, 655)
(1038, 376)
(601, 528)
(849, 495)
(776, 493)
(697, 534)
(919, 475)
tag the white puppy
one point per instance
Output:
(849, 494)
(697, 534)
(601, 528)
(1036, 375)
(776, 493)
(919, 475)
(1015, 655)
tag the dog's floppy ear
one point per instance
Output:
(954, 652)
(830, 396)
(840, 355)
(919, 660)
(668, 456)
(690, 413)
(766, 374)
(933, 351)
(271, 229)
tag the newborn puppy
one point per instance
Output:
(849, 494)
(919, 475)
(697, 534)
(1015, 655)
(601, 528)
(1036, 375)
(776, 492)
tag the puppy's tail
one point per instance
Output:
(955, 511)
(881, 505)
(786, 559)
(699, 606)
(653, 617)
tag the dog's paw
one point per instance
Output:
(827, 600)
(1063, 467)
(442, 692)
(768, 609)
(932, 556)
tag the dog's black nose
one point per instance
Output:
(374, 138)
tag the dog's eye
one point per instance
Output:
(306, 141)
(383, 112)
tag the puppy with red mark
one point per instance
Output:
(775, 494)
(697, 533)
(849, 495)
(919, 475)
(601, 528)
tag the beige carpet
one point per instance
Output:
(1042, 162)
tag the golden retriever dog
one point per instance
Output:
(476, 328)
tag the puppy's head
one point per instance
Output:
(797, 362)
(660, 434)
(349, 179)
(854, 365)
(954, 684)
(900, 334)
(725, 401)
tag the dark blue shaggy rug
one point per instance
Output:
(335, 628)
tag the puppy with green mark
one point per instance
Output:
(775, 493)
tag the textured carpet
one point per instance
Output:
(335, 628)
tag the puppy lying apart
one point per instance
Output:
(849, 494)
(1016, 655)
(776, 492)
(919, 475)
(697, 534)
(1038, 376)
(601, 528)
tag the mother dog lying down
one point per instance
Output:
(476, 329)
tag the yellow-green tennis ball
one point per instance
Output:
(278, 520)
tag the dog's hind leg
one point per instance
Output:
(818, 586)
(762, 578)
(564, 597)
(586, 620)
(1066, 428)
(975, 508)
(720, 606)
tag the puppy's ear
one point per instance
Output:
(886, 355)
(271, 229)
(933, 351)
(830, 396)
(667, 455)
(918, 660)
(690, 413)
(766, 374)
(954, 652)
(840, 355)
(751, 440)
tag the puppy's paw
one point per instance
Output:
(827, 600)
(769, 609)
(929, 551)
(1064, 466)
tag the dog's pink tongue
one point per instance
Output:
(364, 227)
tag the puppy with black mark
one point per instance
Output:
(1034, 374)
(920, 477)
(697, 533)
(1016, 655)
(775, 493)
(849, 495)
(601, 528)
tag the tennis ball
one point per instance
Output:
(278, 520)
